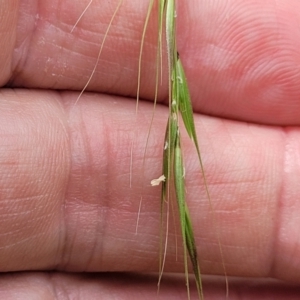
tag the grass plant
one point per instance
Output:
(173, 166)
(172, 180)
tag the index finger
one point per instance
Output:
(66, 202)
(242, 57)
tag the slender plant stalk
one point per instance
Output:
(180, 107)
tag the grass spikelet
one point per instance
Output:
(173, 166)
(172, 180)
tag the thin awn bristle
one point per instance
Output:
(101, 47)
(80, 17)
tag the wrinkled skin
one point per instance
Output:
(67, 211)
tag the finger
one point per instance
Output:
(241, 57)
(8, 32)
(70, 196)
(56, 286)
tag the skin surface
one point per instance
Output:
(66, 204)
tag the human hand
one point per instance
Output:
(66, 203)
